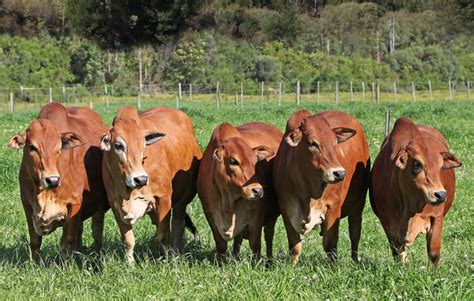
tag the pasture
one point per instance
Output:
(196, 274)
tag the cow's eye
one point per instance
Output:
(417, 167)
(313, 144)
(233, 162)
(32, 148)
(119, 147)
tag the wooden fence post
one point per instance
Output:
(395, 91)
(191, 92)
(352, 93)
(261, 95)
(337, 92)
(180, 93)
(279, 95)
(217, 96)
(12, 103)
(387, 122)
(450, 91)
(177, 102)
(430, 91)
(413, 91)
(242, 95)
(468, 90)
(317, 96)
(298, 91)
(363, 91)
(378, 92)
(50, 94)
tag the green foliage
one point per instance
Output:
(86, 64)
(38, 62)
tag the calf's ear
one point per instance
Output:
(450, 161)
(294, 137)
(71, 140)
(263, 152)
(401, 159)
(105, 142)
(17, 141)
(218, 154)
(154, 137)
(343, 134)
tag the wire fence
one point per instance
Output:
(265, 93)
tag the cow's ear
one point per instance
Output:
(70, 140)
(263, 152)
(343, 134)
(105, 142)
(294, 137)
(154, 137)
(450, 161)
(17, 141)
(218, 154)
(401, 159)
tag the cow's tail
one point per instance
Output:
(191, 227)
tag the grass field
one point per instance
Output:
(196, 275)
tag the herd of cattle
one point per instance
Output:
(150, 163)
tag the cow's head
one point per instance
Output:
(125, 147)
(420, 170)
(236, 178)
(42, 146)
(315, 143)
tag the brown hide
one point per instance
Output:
(321, 175)
(230, 184)
(413, 186)
(60, 175)
(150, 166)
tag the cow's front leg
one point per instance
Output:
(71, 230)
(433, 241)
(331, 233)
(178, 226)
(294, 241)
(163, 217)
(128, 238)
(255, 242)
(35, 239)
(221, 245)
(98, 229)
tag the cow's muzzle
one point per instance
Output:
(334, 175)
(51, 182)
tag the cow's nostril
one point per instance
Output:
(258, 192)
(141, 180)
(440, 196)
(339, 174)
(53, 182)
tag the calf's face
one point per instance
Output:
(420, 171)
(236, 175)
(125, 145)
(316, 143)
(42, 146)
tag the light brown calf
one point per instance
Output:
(60, 175)
(235, 185)
(150, 165)
(413, 185)
(320, 175)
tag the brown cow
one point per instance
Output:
(60, 175)
(413, 186)
(320, 175)
(150, 165)
(234, 185)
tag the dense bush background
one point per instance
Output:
(92, 42)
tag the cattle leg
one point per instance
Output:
(236, 245)
(255, 242)
(191, 227)
(98, 229)
(433, 241)
(331, 234)
(163, 227)
(178, 227)
(294, 241)
(79, 243)
(355, 225)
(269, 231)
(35, 239)
(221, 245)
(71, 230)
(128, 237)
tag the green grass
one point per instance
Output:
(196, 274)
